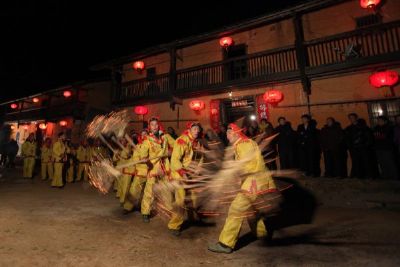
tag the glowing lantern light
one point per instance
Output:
(35, 100)
(26, 127)
(196, 105)
(138, 66)
(12, 127)
(141, 110)
(369, 3)
(226, 42)
(13, 106)
(214, 111)
(273, 96)
(67, 93)
(63, 123)
(384, 78)
(43, 126)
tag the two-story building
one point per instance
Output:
(65, 109)
(319, 57)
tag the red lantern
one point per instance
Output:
(13, 106)
(43, 126)
(138, 66)
(273, 96)
(226, 42)
(369, 3)
(141, 110)
(196, 105)
(35, 100)
(384, 78)
(63, 123)
(67, 93)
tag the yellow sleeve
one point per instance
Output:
(23, 149)
(144, 149)
(247, 151)
(58, 151)
(176, 158)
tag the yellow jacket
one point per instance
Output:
(83, 154)
(28, 149)
(46, 155)
(155, 149)
(59, 151)
(140, 169)
(182, 155)
(97, 150)
(170, 142)
(258, 179)
(123, 157)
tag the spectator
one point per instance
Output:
(359, 141)
(384, 148)
(172, 133)
(11, 150)
(252, 130)
(269, 152)
(333, 147)
(309, 150)
(222, 135)
(286, 141)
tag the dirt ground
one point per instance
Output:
(77, 226)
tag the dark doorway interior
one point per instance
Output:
(236, 108)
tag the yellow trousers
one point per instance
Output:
(70, 173)
(57, 176)
(124, 184)
(29, 165)
(237, 213)
(178, 207)
(47, 171)
(148, 196)
(135, 191)
(82, 169)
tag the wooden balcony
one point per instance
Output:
(359, 49)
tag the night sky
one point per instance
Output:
(50, 43)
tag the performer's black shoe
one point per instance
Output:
(220, 248)
(175, 232)
(146, 218)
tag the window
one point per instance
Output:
(236, 69)
(368, 20)
(150, 73)
(388, 108)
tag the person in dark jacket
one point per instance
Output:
(359, 141)
(333, 148)
(222, 135)
(309, 148)
(385, 149)
(11, 150)
(269, 152)
(286, 141)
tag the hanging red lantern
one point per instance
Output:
(141, 110)
(67, 93)
(63, 123)
(35, 100)
(13, 106)
(43, 126)
(369, 3)
(138, 66)
(197, 105)
(273, 96)
(226, 42)
(384, 78)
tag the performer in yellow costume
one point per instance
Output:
(182, 156)
(28, 151)
(47, 160)
(83, 157)
(59, 157)
(256, 183)
(125, 180)
(71, 153)
(139, 180)
(155, 149)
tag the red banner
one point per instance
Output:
(262, 108)
(215, 114)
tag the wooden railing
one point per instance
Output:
(144, 88)
(368, 42)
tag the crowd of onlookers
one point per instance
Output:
(374, 152)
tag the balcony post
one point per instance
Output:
(301, 53)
